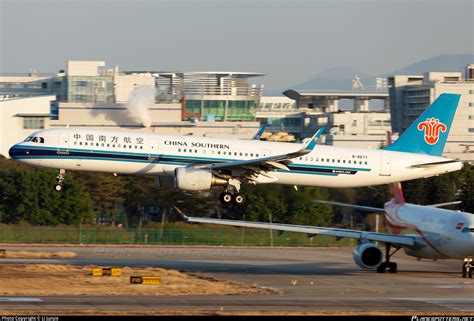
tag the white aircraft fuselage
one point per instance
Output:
(448, 234)
(126, 152)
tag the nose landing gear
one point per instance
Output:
(467, 267)
(59, 180)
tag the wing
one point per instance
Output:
(264, 164)
(401, 240)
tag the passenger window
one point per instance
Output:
(80, 143)
(141, 147)
(251, 155)
(219, 152)
(246, 154)
(75, 143)
(179, 150)
(256, 155)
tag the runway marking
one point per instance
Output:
(20, 300)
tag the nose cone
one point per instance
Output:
(13, 151)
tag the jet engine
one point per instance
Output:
(367, 256)
(196, 179)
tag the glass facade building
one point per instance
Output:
(220, 110)
(90, 89)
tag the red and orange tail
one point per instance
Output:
(397, 192)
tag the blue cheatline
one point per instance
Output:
(428, 134)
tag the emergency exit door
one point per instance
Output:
(386, 165)
(63, 143)
(153, 148)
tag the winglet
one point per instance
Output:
(310, 144)
(180, 212)
(260, 132)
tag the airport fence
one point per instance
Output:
(157, 236)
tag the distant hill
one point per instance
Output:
(438, 63)
(336, 79)
(341, 78)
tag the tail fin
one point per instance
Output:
(397, 192)
(428, 134)
(260, 132)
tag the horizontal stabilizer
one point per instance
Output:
(445, 204)
(435, 163)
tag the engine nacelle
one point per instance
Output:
(195, 179)
(367, 256)
(165, 181)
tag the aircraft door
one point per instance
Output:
(386, 165)
(266, 153)
(63, 143)
(153, 148)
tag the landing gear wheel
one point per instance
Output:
(467, 268)
(382, 267)
(385, 266)
(239, 199)
(59, 180)
(392, 267)
(225, 198)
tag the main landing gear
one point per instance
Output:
(391, 267)
(59, 180)
(227, 197)
(467, 267)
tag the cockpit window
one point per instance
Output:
(35, 139)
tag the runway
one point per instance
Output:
(309, 280)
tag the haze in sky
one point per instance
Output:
(289, 40)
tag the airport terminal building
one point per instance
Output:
(411, 95)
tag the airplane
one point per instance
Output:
(199, 163)
(421, 231)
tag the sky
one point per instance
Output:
(289, 40)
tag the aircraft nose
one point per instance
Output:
(13, 151)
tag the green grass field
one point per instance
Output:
(170, 235)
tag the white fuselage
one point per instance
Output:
(448, 234)
(126, 152)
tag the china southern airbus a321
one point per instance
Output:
(199, 163)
